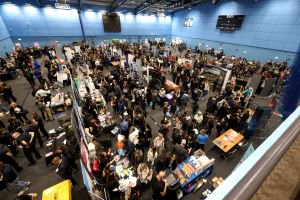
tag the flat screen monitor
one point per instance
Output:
(230, 22)
(111, 22)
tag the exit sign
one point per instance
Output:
(63, 6)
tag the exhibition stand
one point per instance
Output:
(192, 169)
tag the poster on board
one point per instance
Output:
(87, 181)
(85, 156)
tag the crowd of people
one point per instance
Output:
(183, 127)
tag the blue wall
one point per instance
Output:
(268, 24)
(6, 44)
(130, 24)
(48, 24)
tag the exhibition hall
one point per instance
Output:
(149, 99)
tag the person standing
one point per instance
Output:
(7, 93)
(180, 151)
(64, 169)
(64, 151)
(39, 120)
(159, 186)
(18, 111)
(27, 142)
(6, 157)
(10, 177)
(202, 138)
(31, 127)
(29, 77)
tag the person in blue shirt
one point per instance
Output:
(202, 138)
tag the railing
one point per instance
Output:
(248, 177)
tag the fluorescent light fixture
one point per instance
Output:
(19, 39)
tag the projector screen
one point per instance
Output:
(111, 23)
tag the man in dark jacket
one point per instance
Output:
(31, 127)
(40, 123)
(180, 151)
(64, 169)
(26, 140)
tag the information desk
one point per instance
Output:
(60, 191)
(228, 140)
(191, 170)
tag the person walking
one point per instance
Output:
(39, 120)
(11, 179)
(26, 140)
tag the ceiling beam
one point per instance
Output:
(145, 5)
(116, 4)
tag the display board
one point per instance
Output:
(254, 82)
(230, 22)
(269, 84)
(111, 22)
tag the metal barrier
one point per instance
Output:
(248, 177)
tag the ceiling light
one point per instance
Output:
(190, 8)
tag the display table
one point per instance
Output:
(60, 191)
(52, 145)
(106, 121)
(170, 86)
(125, 174)
(58, 103)
(228, 140)
(191, 170)
(61, 77)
